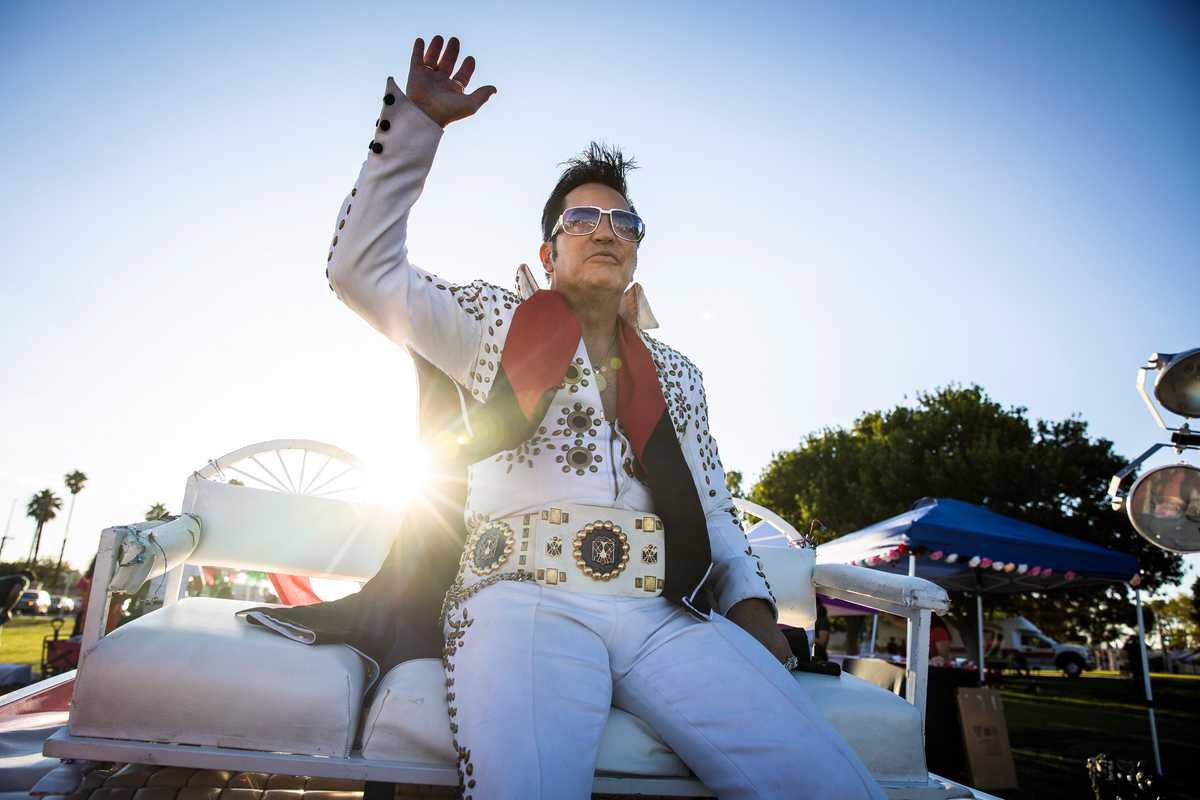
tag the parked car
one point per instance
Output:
(34, 601)
(61, 604)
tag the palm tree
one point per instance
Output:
(43, 507)
(157, 511)
(74, 481)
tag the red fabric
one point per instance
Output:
(539, 346)
(293, 590)
(640, 403)
(937, 633)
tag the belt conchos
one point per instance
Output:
(577, 548)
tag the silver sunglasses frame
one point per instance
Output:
(558, 226)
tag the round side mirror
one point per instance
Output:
(1178, 384)
(1164, 507)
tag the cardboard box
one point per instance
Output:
(985, 734)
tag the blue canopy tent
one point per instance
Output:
(966, 547)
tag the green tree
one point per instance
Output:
(733, 482)
(157, 511)
(74, 482)
(1176, 628)
(1195, 612)
(43, 507)
(957, 442)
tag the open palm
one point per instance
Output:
(434, 86)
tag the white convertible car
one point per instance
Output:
(190, 702)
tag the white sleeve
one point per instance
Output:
(368, 266)
(737, 573)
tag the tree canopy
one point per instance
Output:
(43, 507)
(156, 512)
(957, 442)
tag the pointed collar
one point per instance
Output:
(544, 336)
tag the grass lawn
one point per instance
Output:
(21, 640)
(1055, 724)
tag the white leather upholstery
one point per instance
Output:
(408, 721)
(193, 673)
(882, 728)
(321, 537)
(148, 549)
(790, 571)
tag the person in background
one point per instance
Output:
(893, 649)
(11, 589)
(939, 642)
(821, 634)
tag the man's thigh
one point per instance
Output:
(734, 715)
(529, 689)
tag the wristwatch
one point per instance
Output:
(792, 663)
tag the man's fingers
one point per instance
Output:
(418, 53)
(435, 49)
(446, 63)
(466, 71)
(481, 95)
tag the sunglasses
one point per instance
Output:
(583, 220)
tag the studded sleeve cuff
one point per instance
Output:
(367, 263)
(738, 577)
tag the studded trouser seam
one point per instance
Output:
(453, 642)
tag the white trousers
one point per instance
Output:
(531, 673)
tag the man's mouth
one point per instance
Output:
(609, 256)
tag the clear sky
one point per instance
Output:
(846, 204)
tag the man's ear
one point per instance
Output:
(544, 254)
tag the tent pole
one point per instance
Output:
(979, 632)
(874, 631)
(1137, 596)
(912, 566)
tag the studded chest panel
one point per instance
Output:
(683, 388)
(492, 307)
(574, 455)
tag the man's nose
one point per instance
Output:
(604, 230)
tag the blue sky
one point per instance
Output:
(846, 204)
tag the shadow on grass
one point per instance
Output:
(1056, 724)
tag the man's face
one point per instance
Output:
(599, 261)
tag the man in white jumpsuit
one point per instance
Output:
(548, 627)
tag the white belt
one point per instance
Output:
(578, 548)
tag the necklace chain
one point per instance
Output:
(613, 365)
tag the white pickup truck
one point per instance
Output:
(1014, 642)
(1019, 642)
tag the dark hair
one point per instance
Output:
(596, 164)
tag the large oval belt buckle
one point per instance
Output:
(489, 548)
(601, 550)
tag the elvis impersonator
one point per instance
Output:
(580, 541)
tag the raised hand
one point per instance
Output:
(434, 86)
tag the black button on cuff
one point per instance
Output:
(376, 147)
(389, 98)
(385, 125)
